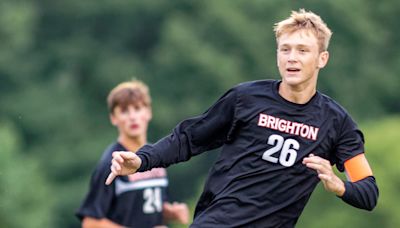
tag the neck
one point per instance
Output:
(297, 94)
(132, 144)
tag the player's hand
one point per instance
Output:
(176, 211)
(329, 179)
(123, 163)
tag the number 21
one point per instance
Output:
(288, 150)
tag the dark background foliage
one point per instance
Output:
(59, 59)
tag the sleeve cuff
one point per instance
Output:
(347, 192)
(143, 158)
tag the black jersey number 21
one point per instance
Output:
(287, 150)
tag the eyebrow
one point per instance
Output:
(295, 45)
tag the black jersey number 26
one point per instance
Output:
(287, 150)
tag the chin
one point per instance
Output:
(292, 80)
(133, 133)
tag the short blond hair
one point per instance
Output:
(308, 21)
(133, 92)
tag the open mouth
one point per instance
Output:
(134, 126)
(292, 69)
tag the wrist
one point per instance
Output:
(341, 189)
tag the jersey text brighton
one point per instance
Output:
(287, 126)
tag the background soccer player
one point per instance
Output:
(135, 200)
(279, 138)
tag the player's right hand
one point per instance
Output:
(123, 163)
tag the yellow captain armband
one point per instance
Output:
(357, 168)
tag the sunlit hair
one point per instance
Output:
(307, 21)
(133, 92)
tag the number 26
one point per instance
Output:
(288, 150)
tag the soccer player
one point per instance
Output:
(278, 139)
(135, 200)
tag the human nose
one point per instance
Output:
(132, 113)
(292, 56)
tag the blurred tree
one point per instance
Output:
(26, 199)
(59, 59)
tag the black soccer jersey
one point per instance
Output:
(133, 201)
(258, 179)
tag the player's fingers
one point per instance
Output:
(184, 219)
(117, 156)
(317, 160)
(325, 164)
(128, 155)
(110, 178)
(313, 158)
(310, 158)
(320, 167)
(325, 177)
(116, 165)
(315, 166)
(113, 170)
(185, 215)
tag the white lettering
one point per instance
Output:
(287, 126)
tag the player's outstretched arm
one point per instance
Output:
(123, 163)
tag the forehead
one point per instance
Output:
(134, 105)
(297, 38)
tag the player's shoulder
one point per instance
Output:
(255, 86)
(256, 83)
(333, 106)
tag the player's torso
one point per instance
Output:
(283, 135)
(262, 166)
(275, 134)
(139, 198)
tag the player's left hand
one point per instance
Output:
(331, 182)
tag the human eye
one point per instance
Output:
(124, 110)
(303, 50)
(139, 107)
(283, 49)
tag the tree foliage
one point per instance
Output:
(59, 59)
(24, 190)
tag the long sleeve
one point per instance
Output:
(193, 136)
(362, 194)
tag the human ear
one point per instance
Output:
(323, 59)
(113, 120)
